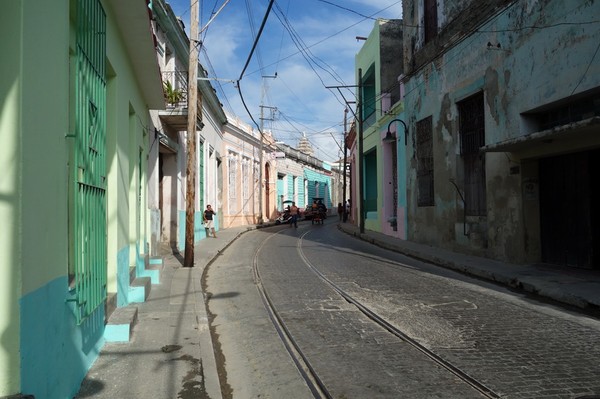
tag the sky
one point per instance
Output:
(305, 47)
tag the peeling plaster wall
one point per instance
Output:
(522, 55)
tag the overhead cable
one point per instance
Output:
(262, 26)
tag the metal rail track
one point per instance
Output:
(316, 385)
(308, 373)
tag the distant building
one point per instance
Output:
(241, 193)
(304, 145)
(301, 178)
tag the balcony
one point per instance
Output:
(175, 87)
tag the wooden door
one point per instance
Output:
(569, 222)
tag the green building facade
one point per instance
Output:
(381, 168)
(77, 80)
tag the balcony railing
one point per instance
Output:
(175, 87)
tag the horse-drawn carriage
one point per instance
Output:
(318, 211)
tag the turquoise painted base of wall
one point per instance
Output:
(136, 295)
(153, 274)
(56, 353)
(141, 270)
(156, 261)
(199, 230)
(126, 294)
(117, 333)
(123, 277)
(372, 215)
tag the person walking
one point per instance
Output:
(294, 215)
(208, 221)
(340, 211)
(347, 211)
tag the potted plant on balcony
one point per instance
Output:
(172, 95)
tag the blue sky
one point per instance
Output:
(326, 32)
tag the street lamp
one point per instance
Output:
(389, 137)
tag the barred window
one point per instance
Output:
(232, 166)
(425, 162)
(256, 182)
(472, 137)
(295, 189)
(201, 179)
(246, 185)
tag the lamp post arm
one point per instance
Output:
(405, 129)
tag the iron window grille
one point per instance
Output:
(425, 163)
(89, 228)
(472, 135)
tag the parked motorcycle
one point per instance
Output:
(284, 217)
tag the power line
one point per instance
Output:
(262, 26)
(253, 30)
(248, 61)
(325, 39)
(304, 50)
(347, 9)
(217, 82)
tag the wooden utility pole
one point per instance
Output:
(261, 173)
(190, 208)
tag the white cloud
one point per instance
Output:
(298, 92)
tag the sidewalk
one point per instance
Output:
(576, 287)
(170, 354)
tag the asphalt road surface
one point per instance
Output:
(489, 342)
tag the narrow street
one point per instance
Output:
(458, 337)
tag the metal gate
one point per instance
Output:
(89, 151)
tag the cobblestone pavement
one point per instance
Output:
(353, 356)
(517, 347)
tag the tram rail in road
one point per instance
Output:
(302, 362)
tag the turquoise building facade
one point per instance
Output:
(502, 102)
(301, 178)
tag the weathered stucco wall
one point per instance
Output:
(522, 57)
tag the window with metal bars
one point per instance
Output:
(201, 175)
(88, 227)
(369, 98)
(256, 179)
(472, 138)
(246, 185)
(574, 111)
(232, 169)
(425, 163)
(295, 189)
